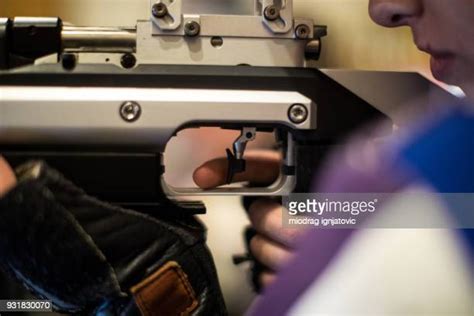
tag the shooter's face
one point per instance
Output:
(442, 28)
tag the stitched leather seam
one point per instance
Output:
(189, 291)
(174, 269)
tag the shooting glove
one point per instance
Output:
(90, 257)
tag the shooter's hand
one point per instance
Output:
(273, 245)
(7, 177)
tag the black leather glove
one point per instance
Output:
(91, 257)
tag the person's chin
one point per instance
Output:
(453, 71)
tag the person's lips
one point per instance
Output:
(441, 62)
(441, 65)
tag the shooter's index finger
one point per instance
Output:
(262, 168)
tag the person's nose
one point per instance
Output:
(393, 13)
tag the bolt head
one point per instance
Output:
(159, 10)
(130, 111)
(271, 13)
(192, 28)
(298, 113)
(302, 31)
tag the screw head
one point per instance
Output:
(302, 31)
(128, 61)
(298, 113)
(130, 111)
(271, 13)
(159, 10)
(192, 28)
